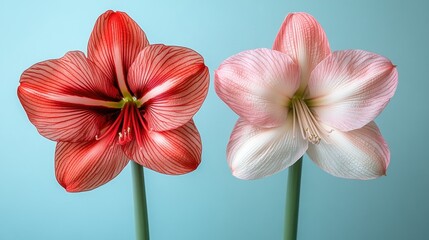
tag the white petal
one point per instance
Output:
(358, 154)
(255, 152)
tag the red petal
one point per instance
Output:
(173, 152)
(171, 82)
(115, 30)
(83, 166)
(65, 98)
(302, 37)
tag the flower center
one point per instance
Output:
(128, 125)
(311, 129)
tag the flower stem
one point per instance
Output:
(292, 201)
(140, 207)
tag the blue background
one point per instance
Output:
(209, 203)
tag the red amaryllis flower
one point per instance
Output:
(126, 100)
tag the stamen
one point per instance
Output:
(113, 127)
(127, 125)
(310, 127)
(139, 124)
(125, 134)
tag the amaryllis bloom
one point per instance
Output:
(302, 98)
(125, 100)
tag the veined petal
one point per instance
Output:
(302, 37)
(358, 154)
(255, 152)
(115, 42)
(171, 84)
(258, 85)
(350, 88)
(83, 166)
(66, 98)
(174, 152)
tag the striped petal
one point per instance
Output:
(172, 152)
(171, 84)
(83, 166)
(350, 88)
(358, 154)
(302, 37)
(255, 152)
(258, 85)
(115, 42)
(66, 98)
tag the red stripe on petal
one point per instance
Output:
(67, 98)
(115, 30)
(83, 166)
(171, 83)
(173, 152)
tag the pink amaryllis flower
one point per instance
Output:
(301, 97)
(125, 100)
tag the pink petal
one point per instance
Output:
(115, 35)
(258, 85)
(171, 83)
(358, 154)
(83, 166)
(66, 98)
(174, 152)
(255, 152)
(302, 37)
(350, 88)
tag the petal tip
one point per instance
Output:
(68, 187)
(190, 167)
(182, 171)
(241, 176)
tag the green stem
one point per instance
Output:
(292, 201)
(140, 208)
